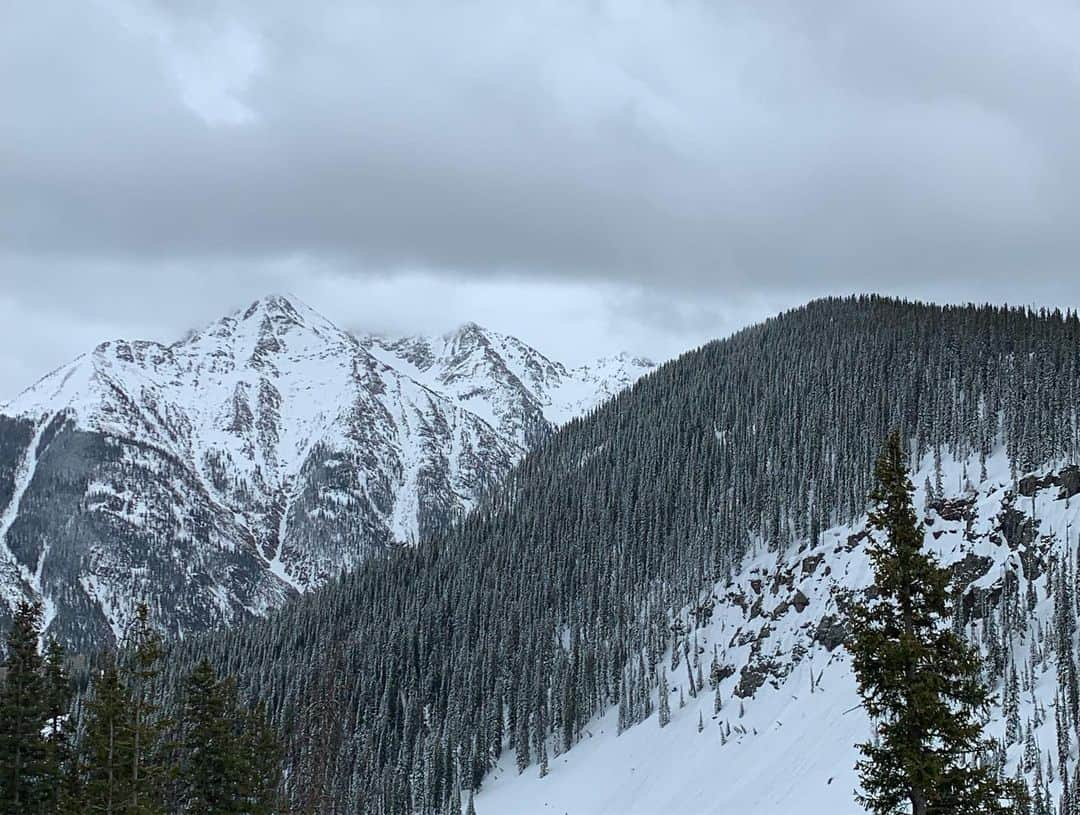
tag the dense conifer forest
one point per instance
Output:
(111, 748)
(397, 686)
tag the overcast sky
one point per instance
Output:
(590, 176)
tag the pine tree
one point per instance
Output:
(262, 752)
(106, 749)
(918, 680)
(58, 741)
(321, 732)
(25, 778)
(211, 772)
(145, 651)
(521, 741)
(230, 757)
(1012, 707)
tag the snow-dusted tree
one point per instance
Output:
(918, 680)
(664, 705)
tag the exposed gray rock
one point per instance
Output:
(831, 632)
(215, 477)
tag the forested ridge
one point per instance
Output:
(398, 685)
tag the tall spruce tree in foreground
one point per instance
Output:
(919, 681)
(36, 734)
(121, 764)
(106, 749)
(59, 730)
(25, 774)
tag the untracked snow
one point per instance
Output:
(788, 745)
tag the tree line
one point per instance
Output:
(112, 749)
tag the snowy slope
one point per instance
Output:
(217, 476)
(783, 742)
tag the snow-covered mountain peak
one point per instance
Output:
(509, 383)
(262, 454)
(250, 338)
(268, 326)
(467, 332)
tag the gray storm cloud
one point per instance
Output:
(697, 155)
(712, 143)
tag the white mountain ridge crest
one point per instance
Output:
(217, 476)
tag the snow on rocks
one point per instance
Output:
(784, 738)
(255, 459)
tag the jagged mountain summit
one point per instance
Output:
(219, 475)
(514, 387)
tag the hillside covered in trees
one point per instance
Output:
(400, 685)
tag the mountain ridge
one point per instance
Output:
(503, 641)
(271, 442)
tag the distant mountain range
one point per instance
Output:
(218, 476)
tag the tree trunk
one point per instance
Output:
(918, 796)
(111, 753)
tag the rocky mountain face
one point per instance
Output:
(216, 477)
(511, 385)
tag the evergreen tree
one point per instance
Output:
(230, 756)
(543, 760)
(144, 653)
(521, 742)
(26, 780)
(664, 716)
(262, 753)
(107, 749)
(918, 680)
(59, 732)
(321, 733)
(210, 776)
